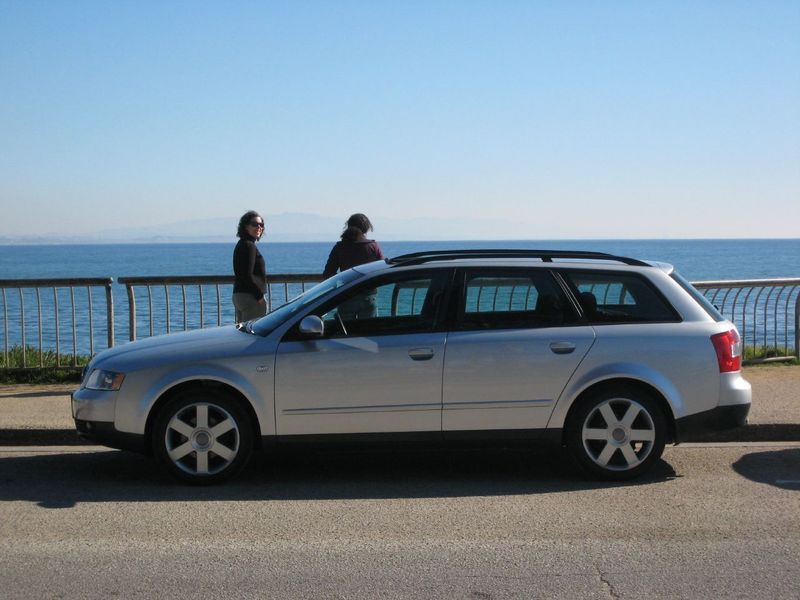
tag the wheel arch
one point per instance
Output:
(199, 383)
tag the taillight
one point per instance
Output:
(729, 350)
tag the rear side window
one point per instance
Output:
(611, 297)
(512, 299)
(699, 297)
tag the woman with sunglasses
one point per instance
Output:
(249, 269)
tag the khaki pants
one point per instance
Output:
(246, 307)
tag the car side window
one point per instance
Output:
(611, 297)
(399, 304)
(512, 299)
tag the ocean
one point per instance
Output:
(697, 260)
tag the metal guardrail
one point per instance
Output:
(194, 293)
(766, 312)
(58, 326)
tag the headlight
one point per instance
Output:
(104, 380)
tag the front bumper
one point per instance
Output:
(93, 412)
(93, 405)
(697, 427)
(105, 434)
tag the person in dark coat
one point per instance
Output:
(249, 269)
(354, 248)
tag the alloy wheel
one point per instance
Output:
(202, 439)
(618, 434)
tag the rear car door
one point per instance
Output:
(515, 342)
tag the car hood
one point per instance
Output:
(188, 346)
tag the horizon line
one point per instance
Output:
(39, 242)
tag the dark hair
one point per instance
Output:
(357, 224)
(246, 217)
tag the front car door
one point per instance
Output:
(515, 343)
(378, 366)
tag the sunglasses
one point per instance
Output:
(256, 224)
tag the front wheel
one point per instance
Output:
(616, 434)
(202, 437)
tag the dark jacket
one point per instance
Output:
(249, 269)
(346, 255)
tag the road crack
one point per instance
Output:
(607, 585)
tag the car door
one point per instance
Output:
(515, 343)
(378, 366)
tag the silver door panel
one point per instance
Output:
(375, 384)
(509, 379)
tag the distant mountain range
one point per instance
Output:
(296, 227)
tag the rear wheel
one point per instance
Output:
(617, 434)
(202, 436)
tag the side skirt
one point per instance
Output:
(509, 438)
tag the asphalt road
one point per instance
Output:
(710, 522)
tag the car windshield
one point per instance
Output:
(270, 321)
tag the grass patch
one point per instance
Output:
(789, 362)
(35, 359)
(762, 352)
(54, 369)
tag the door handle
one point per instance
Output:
(421, 353)
(562, 347)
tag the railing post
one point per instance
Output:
(5, 331)
(110, 313)
(131, 311)
(22, 324)
(797, 326)
(58, 333)
(39, 314)
(74, 328)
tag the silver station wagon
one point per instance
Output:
(607, 356)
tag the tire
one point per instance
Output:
(616, 434)
(202, 436)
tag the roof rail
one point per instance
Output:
(417, 258)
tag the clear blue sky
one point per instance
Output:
(532, 119)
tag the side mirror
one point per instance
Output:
(312, 326)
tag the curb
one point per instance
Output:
(773, 432)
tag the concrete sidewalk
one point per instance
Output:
(41, 415)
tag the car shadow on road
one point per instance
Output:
(779, 468)
(64, 480)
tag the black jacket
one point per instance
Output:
(249, 268)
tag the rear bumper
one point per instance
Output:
(734, 389)
(696, 427)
